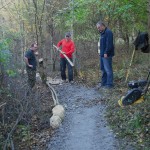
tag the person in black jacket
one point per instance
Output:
(106, 54)
(31, 64)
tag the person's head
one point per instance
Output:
(34, 46)
(101, 26)
(68, 36)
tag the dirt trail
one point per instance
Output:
(84, 126)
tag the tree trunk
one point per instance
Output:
(149, 18)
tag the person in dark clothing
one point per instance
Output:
(68, 48)
(106, 54)
(31, 64)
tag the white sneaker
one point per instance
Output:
(63, 81)
(71, 82)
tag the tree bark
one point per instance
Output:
(149, 17)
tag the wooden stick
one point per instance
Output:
(128, 71)
(70, 62)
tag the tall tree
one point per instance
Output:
(149, 17)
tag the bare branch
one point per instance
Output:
(1, 105)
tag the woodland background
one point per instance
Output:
(23, 22)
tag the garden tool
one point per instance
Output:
(70, 62)
(137, 92)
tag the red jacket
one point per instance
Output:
(67, 46)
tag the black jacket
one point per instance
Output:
(106, 43)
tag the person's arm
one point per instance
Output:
(72, 49)
(59, 43)
(109, 39)
(27, 62)
(26, 58)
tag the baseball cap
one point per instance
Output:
(68, 34)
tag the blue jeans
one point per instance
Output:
(63, 63)
(107, 71)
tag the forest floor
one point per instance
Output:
(84, 126)
(93, 119)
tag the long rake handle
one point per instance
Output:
(148, 83)
(128, 71)
(70, 62)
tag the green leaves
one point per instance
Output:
(4, 51)
(5, 56)
(11, 73)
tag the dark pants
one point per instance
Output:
(31, 77)
(63, 63)
(107, 71)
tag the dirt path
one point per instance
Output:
(84, 126)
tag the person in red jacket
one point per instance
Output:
(68, 48)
